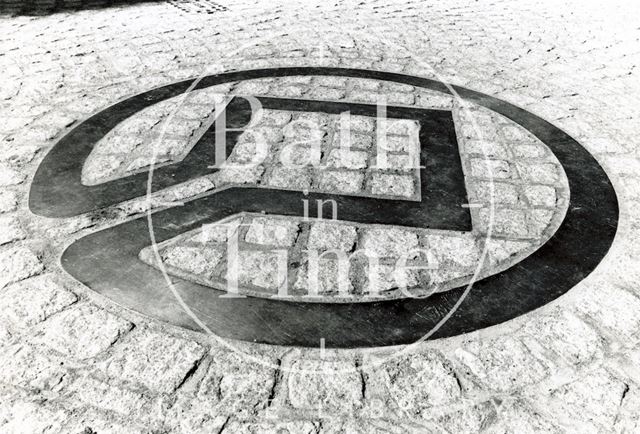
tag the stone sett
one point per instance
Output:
(18, 155)
(546, 173)
(333, 276)
(519, 416)
(494, 193)
(105, 396)
(237, 385)
(326, 93)
(33, 417)
(613, 309)
(490, 169)
(8, 201)
(529, 151)
(83, 331)
(18, 263)
(538, 221)
(200, 260)
(348, 159)
(340, 181)
(469, 418)
(296, 155)
(362, 124)
(487, 149)
(23, 366)
(392, 242)
(355, 140)
(265, 269)
(400, 127)
(9, 176)
(590, 404)
(391, 184)
(399, 162)
(330, 236)
(329, 386)
(288, 177)
(501, 364)
(461, 250)
(407, 144)
(572, 340)
(278, 118)
(249, 175)
(32, 301)
(154, 360)
(504, 222)
(419, 381)
(283, 427)
(272, 232)
(540, 195)
(387, 277)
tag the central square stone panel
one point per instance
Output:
(342, 148)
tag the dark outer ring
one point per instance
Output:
(573, 252)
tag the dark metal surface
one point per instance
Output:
(107, 261)
(57, 190)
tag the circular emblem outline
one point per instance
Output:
(573, 252)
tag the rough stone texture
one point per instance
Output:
(259, 268)
(82, 331)
(500, 364)
(154, 360)
(389, 242)
(570, 338)
(32, 417)
(236, 386)
(273, 232)
(518, 416)
(292, 427)
(327, 236)
(331, 386)
(18, 263)
(102, 395)
(8, 201)
(197, 259)
(32, 301)
(615, 310)
(419, 381)
(10, 230)
(325, 276)
(25, 367)
(591, 403)
(574, 64)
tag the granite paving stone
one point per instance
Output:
(73, 361)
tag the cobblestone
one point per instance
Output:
(102, 395)
(418, 382)
(590, 404)
(331, 386)
(236, 386)
(25, 367)
(274, 232)
(32, 301)
(17, 264)
(500, 364)
(8, 201)
(328, 236)
(83, 331)
(615, 310)
(156, 361)
(56, 71)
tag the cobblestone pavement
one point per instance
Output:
(72, 361)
